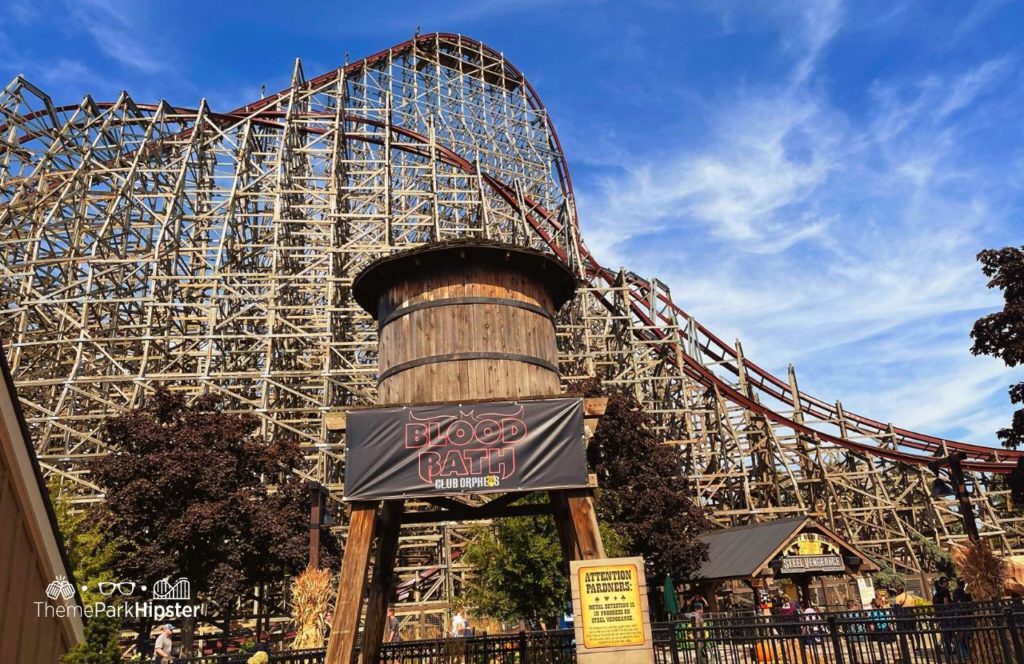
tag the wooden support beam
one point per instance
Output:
(563, 524)
(336, 420)
(476, 513)
(584, 522)
(341, 648)
(388, 524)
(574, 510)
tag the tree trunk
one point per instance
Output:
(188, 636)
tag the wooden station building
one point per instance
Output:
(32, 553)
(796, 551)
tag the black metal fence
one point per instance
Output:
(552, 647)
(989, 633)
(981, 633)
(283, 657)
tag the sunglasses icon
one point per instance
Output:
(123, 587)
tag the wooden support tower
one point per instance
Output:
(458, 322)
(146, 245)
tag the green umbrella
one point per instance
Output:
(671, 605)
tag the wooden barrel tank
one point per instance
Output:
(465, 320)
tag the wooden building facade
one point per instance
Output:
(32, 553)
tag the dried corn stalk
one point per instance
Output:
(981, 568)
(311, 592)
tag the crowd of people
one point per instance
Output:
(889, 614)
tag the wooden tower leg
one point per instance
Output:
(352, 583)
(563, 524)
(576, 521)
(388, 526)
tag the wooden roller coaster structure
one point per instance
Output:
(146, 245)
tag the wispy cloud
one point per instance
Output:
(115, 28)
(769, 154)
(22, 11)
(836, 240)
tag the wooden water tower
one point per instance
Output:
(459, 323)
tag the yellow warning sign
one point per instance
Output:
(610, 606)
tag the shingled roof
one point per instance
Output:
(744, 551)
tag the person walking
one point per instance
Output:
(695, 605)
(790, 613)
(392, 630)
(459, 623)
(942, 599)
(163, 646)
(458, 650)
(963, 622)
(812, 626)
(903, 605)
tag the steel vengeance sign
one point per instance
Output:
(823, 563)
(447, 449)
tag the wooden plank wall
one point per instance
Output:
(24, 637)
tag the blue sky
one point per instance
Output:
(812, 178)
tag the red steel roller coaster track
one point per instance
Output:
(979, 458)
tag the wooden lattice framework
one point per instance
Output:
(150, 244)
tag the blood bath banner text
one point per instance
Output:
(490, 447)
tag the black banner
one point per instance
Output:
(452, 449)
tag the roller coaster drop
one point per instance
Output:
(149, 244)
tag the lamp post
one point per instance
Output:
(959, 489)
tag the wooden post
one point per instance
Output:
(315, 503)
(563, 524)
(956, 474)
(341, 648)
(710, 592)
(389, 523)
(579, 531)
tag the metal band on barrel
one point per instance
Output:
(452, 301)
(456, 357)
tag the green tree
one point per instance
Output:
(888, 578)
(92, 554)
(643, 493)
(100, 645)
(188, 492)
(937, 558)
(1001, 334)
(519, 571)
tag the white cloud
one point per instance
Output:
(842, 242)
(117, 31)
(770, 154)
(22, 11)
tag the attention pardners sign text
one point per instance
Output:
(447, 449)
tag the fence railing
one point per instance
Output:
(551, 647)
(282, 657)
(979, 633)
(983, 633)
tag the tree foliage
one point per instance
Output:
(187, 490)
(92, 555)
(1001, 334)
(100, 645)
(518, 570)
(643, 494)
(888, 578)
(937, 558)
(92, 550)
